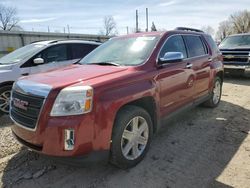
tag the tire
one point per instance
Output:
(4, 99)
(215, 98)
(129, 122)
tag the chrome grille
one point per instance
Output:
(27, 116)
(236, 56)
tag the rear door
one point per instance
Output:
(176, 80)
(199, 58)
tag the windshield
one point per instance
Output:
(236, 41)
(122, 51)
(21, 53)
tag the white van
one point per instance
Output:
(36, 58)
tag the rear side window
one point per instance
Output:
(81, 50)
(174, 44)
(195, 46)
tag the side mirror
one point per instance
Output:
(171, 57)
(38, 61)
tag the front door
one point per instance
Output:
(176, 80)
(54, 57)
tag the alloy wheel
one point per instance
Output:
(217, 92)
(135, 138)
(4, 101)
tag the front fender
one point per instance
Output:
(111, 100)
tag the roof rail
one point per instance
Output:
(189, 29)
(52, 41)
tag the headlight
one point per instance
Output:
(73, 100)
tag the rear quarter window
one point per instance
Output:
(195, 46)
(212, 44)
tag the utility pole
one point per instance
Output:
(64, 30)
(127, 30)
(68, 29)
(136, 22)
(146, 19)
(48, 29)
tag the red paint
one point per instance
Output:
(171, 87)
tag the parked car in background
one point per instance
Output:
(112, 102)
(236, 54)
(36, 58)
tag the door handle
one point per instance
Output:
(25, 74)
(210, 59)
(189, 65)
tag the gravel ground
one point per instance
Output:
(8, 144)
(200, 148)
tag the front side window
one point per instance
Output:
(195, 46)
(124, 51)
(174, 44)
(54, 54)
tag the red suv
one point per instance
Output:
(116, 98)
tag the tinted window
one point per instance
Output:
(195, 46)
(212, 44)
(174, 44)
(54, 53)
(81, 50)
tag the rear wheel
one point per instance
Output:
(5, 92)
(131, 136)
(214, 100)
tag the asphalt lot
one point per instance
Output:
(199, 148)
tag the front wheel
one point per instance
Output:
(131, 136)
(5, 92)
(215, 98)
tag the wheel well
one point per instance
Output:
(148, 104)
(220, 75)
(6, 83)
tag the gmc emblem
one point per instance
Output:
(20, 104)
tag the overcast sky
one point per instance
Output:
(86, 16)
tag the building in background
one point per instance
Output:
(12, 40)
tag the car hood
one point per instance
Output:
(5, 67)
(73, 74)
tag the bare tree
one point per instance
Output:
(225, 29)
(153, 28)
(238, 22)
(109, 26)
(241, 21)
(8, 18)
(208, 29)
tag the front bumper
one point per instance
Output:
(92, 157)
(237, 69)
(49, 138)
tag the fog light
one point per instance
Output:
(69, 139)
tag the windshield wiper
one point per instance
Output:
(105, 63)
